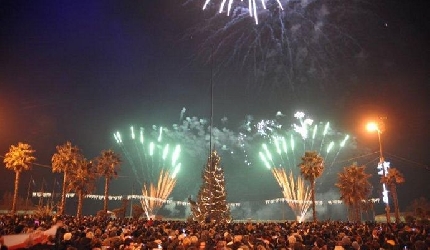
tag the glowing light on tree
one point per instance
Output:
(211, 203)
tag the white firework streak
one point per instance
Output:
(252, 7)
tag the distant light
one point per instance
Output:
(384, 194)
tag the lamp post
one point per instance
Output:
(382, 165)
(131, 200)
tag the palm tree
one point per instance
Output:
(19, 158)
(107, 166)
(82, 181)
(419, 208)
(354, 187)
(65, 160)
(391, 180)
(312, 167)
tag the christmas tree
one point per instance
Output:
(211, 204)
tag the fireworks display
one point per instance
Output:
(280, 42)
(285, 147)
(148, 151)
(157, 194)
(149, 157)
(156, 154)
(297, 194)
(164, 83)
(253, 7)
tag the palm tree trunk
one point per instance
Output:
(15, 193)
(314, 213)
(63, 195)
(80, 199)
(349, 212)
(396, 202)
(357, 212)
(105, 204)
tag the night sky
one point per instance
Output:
(81, 70)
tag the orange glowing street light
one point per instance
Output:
(382, 165)
(372, 126)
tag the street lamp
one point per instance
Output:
(383, 166)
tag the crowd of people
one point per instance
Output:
(108, 233)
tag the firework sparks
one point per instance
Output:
(148, 151)
(289, 42)
(147, 159)
(159, 150)
(303, 128)
(156, 194)
(267, 127)
(151, 158)
(295, 192)
(285, 147)
(253, 6)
